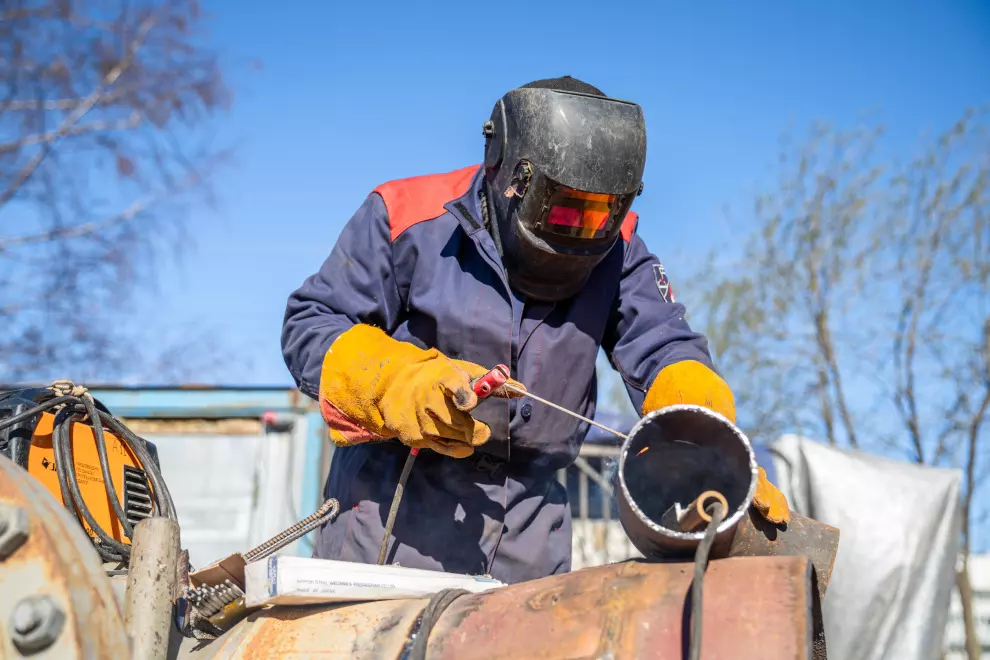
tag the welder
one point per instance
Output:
(532, 260)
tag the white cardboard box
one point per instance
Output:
(286, 580)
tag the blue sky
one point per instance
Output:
(354, 94)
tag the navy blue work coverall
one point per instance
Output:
(417, 261)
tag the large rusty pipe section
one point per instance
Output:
(759, 609)
(669, 458)
(55, 600)
(151, 579)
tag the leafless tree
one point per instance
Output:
(933, 248)
(106, 111)
(779, 316)
(859, 311)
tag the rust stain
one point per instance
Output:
(363, 630)
(636, 610)
(612, 609)
(58, 560)
(803, 536)
(545, 599)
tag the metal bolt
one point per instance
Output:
(488, 129)
(14, 528)
(25, 618)
(36, 622)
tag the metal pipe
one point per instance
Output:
(695, 514)
(673, 455)
(151, 580)
(583, 495)
(400, 487)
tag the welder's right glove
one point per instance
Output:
(373, 387)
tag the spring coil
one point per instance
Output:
(326, 512)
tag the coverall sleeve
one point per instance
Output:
(647, 330)
(356, 284)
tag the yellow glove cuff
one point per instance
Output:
(769, 501)
(690, 382)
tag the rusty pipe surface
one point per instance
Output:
(151, 579)
(670, 457)
(757, 608)
(55, 599)
(756, 537)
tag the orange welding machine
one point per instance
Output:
(107, 477)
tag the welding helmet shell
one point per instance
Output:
(562, 169)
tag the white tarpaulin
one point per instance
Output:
(888, 597)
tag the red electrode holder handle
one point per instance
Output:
(484, 386)
(491, 381)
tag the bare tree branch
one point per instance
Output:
(130, 213)
(80, 111)
(107, 109)
(93, 127)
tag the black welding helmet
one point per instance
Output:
(563, 165)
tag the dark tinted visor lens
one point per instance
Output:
(580, 214)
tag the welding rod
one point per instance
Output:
(212, 600)
(513, 388)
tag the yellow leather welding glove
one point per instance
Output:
(373, 387)
(693, 383)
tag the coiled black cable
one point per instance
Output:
(74, 408)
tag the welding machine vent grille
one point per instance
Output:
(137, 495)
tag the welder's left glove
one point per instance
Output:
(693, 383)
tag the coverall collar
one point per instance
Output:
(467, 210)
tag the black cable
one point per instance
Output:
(438, 604)
(161, 497)
(109, 548)
(101, 451)
(40, 408)
(700, 563)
